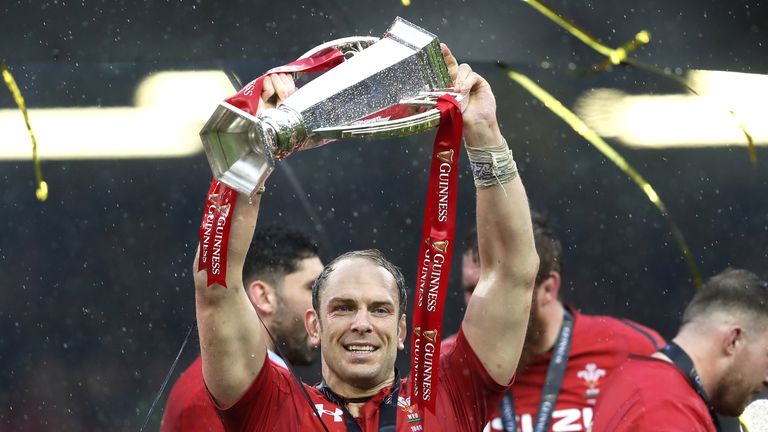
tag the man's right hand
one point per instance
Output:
(478, 106)
(276, 89)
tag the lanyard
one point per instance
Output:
(387, 409)
(683, 362)
(552, 383)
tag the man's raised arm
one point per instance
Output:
(232, 339)
(497, 314)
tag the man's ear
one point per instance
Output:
(312, 324)
(263, 297)
(549, 289)
(734, 338)
(402, 332)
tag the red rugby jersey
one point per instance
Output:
(274, 402)
(647, 394)
(599, 344)
(189, 408)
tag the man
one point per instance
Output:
(591, 346)
(716, 364)
(280, 268)
(358, 317)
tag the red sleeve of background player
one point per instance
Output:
(189, 409)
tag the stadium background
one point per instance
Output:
(97, 293)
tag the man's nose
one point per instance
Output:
(362, 323)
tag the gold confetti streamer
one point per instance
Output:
(42, 186)
(615, 55)
(743, 424)
(582, 129)
(620, 55)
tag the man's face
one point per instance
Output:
(294, 297)
(360, 330)
(746, 376)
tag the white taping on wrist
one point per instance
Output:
(492, 165)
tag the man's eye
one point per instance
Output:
(381, 310)
(343, 308)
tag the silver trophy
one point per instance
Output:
(386, 87)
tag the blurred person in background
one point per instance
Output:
(566, 355)
(280, 268)
(717, 364)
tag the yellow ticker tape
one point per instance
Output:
(42, 186)
(620, 55)
(743, 424)
(582, 129)
(751, 149)
(616, 55)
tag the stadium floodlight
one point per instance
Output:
(170, 108)
(726, 104)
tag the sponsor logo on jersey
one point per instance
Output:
(591, 375)
(410, 413)
(563, 420)
(338, 415)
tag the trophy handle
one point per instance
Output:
(374, 126)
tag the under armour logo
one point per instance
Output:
(337, 415)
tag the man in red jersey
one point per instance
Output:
(280, 268)
(717, 363)
(358, 318)
(566, 356)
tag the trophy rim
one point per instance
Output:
(341, 43)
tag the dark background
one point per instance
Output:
(97, 294)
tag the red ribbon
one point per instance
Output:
(435, 261)
(220, 202)
(214, 232)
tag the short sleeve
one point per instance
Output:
(469, 391)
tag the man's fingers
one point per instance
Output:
(450, 61)
(277, 88)
(279, 85)
(465, 79)
(286, 85)
(267, 90)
